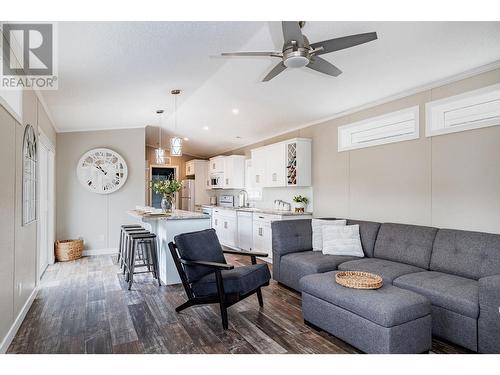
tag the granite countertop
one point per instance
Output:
(262, 210)
(176, 215)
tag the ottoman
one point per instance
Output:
(385, 320)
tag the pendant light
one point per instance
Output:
(175, 142)
(160, 152)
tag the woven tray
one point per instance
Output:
(359, 280)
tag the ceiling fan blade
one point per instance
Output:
(274, 72)
(321, 65)
(343, 42)
(277, 54)
(291, 31)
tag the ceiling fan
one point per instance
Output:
(298, 52)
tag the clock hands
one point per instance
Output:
(102, 170)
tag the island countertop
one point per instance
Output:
(175, 215)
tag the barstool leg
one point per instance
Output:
(131, 265)
(154, 256)
(120, 249)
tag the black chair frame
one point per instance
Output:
(225, 300)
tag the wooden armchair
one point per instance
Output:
(206, 276)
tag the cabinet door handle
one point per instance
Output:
(227, 181)
(261, 217)
(225, 225)
(260, 231)
(215, 222)
(275, 177)
(257, 178)
(213, 165)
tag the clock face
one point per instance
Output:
(102, 171)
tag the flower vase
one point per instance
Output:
(166, 204)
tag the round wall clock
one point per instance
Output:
(102, 171)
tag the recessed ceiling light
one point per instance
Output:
(235, 111)
(186, 139)
(205, 128)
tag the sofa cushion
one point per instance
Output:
(468, 254)
(239, 280)
(294, 266)
(387, 269)
(201, 245)
(290, 236)
(410, 244)
(368, 231)
(317, 231)
(388, 306)
(450, 292)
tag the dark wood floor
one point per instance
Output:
(84, 307)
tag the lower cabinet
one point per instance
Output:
(225, 224)
(262, 235)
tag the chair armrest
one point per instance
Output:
(489, 291)
(247, 253)
(220, 266)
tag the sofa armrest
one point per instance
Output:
(289, 236)
(489, 315)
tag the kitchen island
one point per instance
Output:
(166, 227)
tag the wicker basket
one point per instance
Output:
(67, 250)
(359, 280)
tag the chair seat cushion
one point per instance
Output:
(240, 280)
(388, 306)
(387, 269)
(294, 266)
(450, 292)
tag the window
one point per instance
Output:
(392, 127)
(29, 175)
(472, 110)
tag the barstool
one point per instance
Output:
(121, 246)
(127, 243)
(142, 247)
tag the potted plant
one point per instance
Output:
(167, 188)
(301, 203)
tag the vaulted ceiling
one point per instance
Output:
(116, 74)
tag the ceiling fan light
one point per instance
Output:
(296, 62)
(176, 146)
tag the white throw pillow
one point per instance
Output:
(317, 232)
(342, 240)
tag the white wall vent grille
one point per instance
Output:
(392, 127)
(471, 110)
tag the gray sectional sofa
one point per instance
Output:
(458, 272)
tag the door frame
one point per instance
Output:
(45, 142)
(176, 176)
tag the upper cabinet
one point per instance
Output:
(282, 164)
(226, 172)
(234, 172)
(216, 164)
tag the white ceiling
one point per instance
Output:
(116, 74)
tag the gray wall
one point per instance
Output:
(451, 180)
(18, 244)
(95, 217)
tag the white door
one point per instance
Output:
(46, 171)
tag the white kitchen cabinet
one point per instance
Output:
(259, 162)
(216, 164)
(224, 222)
(190, 168)
(276, 167)
(262, 235)
(282, 164)
(234, 172)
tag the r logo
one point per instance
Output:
(35, 57)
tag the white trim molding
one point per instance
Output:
(17, 322)
(94, 252)
(470, 110)
(392, 127)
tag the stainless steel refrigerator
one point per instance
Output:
(187, 195)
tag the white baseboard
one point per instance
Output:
(17, 323)
(93, 252)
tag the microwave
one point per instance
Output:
(216, 180)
